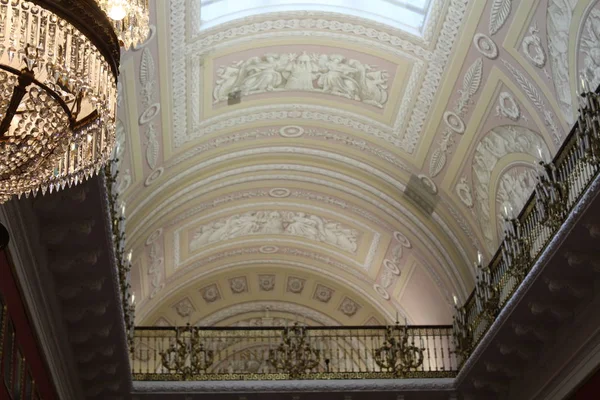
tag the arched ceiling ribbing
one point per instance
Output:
(361, 168)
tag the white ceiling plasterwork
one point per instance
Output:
(367, 162)
(432, 60)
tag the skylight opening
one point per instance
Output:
(408, 15)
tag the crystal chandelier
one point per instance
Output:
(58, 71)
(130, 19)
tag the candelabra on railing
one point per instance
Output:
(588, 124)
(562, 182)
(551, 194)
(187, 356)
(117, 217)
(294, 355)
(487, 293)
(516, 248)
(397, 355)
(462, 333)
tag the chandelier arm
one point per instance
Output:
(26, 77)
(48, 90)
(89, 19)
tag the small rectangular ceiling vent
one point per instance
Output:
(421, 194)
(234, 98)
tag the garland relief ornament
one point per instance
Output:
(532, 47)
(508, 107)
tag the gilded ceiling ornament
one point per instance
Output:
(508, 107)
(332, 74)
(323, 293)
(238, 285)
(295, 285)
(349, 307)
(210, 293)
(499, 13)
(532, 47)
(485, 45)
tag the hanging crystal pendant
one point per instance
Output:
(57, 94)
(130, 19)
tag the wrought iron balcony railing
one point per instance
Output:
(561, 184)
(295, 352)
(299, 352)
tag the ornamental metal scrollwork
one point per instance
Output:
(516, 249)
(552, 195)
(397, 355)
(294, 355)
(187, 356)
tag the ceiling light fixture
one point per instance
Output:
(130, 19)
(58, 70)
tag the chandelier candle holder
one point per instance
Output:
(294, 355)
(516, 252)
(462, 332)
(487, 294)
(187, 356)
(59, 63)
(588, 127)
(130, 20)
(397, 355)
(551, 195)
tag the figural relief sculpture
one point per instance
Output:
(332, 74)
(297, 224)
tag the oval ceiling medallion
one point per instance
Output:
(381, 291)
(454, 122)
(269, 249)
(291, 131)
(486, 46)
(279, 193)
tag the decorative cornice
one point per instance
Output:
(350, 385)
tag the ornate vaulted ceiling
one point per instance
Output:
(362, 167)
